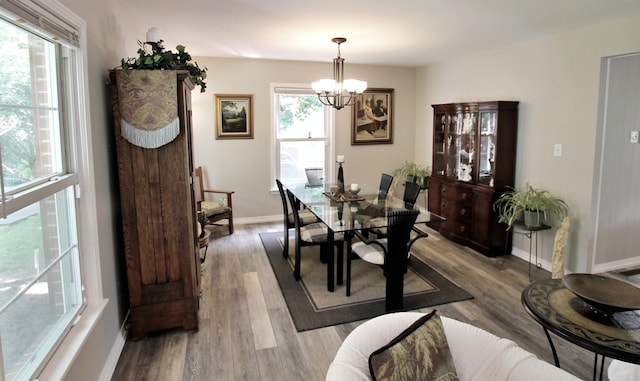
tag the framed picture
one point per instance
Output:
(372, 117)
(234, 116)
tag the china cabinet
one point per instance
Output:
(474, 153)
(157, 202)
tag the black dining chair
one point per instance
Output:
(385, 184)
(410, 196)
(306, 218)
(390, 253)
(314, 234)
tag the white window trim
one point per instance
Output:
(82, 163)
(329, 115)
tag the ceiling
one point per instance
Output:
(401, 32)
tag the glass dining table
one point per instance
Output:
(348, 212)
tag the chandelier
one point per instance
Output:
(338, 92)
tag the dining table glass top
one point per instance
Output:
(348, 211)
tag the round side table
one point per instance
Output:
(560, 311)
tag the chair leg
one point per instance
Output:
(323, 255)
(296, 265)
(285, 243)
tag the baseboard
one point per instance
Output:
(617, 266)
(524, 255)
(258, 219)
(116, 350)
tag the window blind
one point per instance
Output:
(30, 15)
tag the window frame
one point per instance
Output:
(79, 173)
(329, 121)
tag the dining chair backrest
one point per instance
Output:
(411, 192)
(294, 210)
(400, 223)
(385, 184)
(283, 197)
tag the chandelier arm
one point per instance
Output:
(324, 99)
(351, 101)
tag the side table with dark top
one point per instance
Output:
(560, 311)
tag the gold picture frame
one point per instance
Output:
(372, 117)
(234, 116)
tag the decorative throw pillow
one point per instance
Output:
(420, 352)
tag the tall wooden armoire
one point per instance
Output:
(152, 125)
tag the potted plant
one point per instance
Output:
(203, 220)
(160, 59)
(534, 204)
(412, 172)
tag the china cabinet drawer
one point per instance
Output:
(459, 228)
(457, 211)
(456, 194)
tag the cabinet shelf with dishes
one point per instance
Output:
(474, 151)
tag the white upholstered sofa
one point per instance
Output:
(478, 354)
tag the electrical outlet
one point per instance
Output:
(634, 137)
(557, 150)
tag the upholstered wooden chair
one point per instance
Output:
(314, 234)
(306, 218)
(391, 253)
(219, 211)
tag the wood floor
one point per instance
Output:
(246, 333)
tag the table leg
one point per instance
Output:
(595, 367)
(553, 348)
(330, 262)
(528, 235)
(340, 264)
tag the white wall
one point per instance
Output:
(556, 79)
(244, 165)
(107, 42)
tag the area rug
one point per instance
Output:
(311, 306)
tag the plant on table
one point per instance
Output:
(512, 204)
(411, 172)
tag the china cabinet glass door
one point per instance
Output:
(461, 146)
(487, 148)
(440, 122)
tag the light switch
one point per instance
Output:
(634, 137)
(557, 150)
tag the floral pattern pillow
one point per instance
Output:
(420, 352)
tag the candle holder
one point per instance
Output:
(340, 178)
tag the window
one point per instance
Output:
(302, 129)
(41, 288)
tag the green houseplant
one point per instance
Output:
(412, 172)
(160, 59)
(534, 204)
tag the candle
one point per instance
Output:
(354, 187)
(152, 35)
(340, 159)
